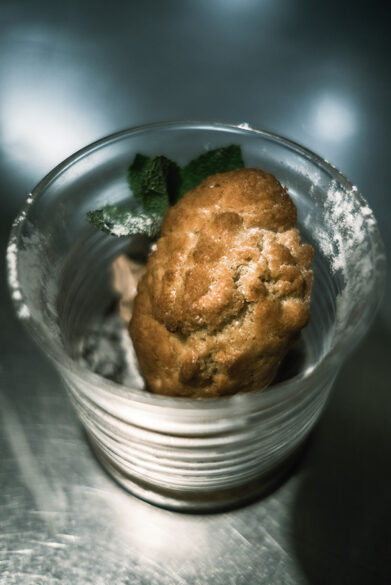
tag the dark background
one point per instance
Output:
(315, 72)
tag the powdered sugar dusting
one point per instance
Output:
(25, 258)
(130, 223)
(107, 350)
(23, 311)
(12, 264)
(244, 126)
(347, 246)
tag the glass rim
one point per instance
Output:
(279, 392)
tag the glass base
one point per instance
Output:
(200, 502)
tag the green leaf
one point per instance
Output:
(154, 182)
(220, 160)
(159, 184)
(135, 175)
(125, 221)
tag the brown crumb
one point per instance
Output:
(125, 277)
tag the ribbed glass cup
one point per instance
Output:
(183, 453)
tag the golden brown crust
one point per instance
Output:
(226, 291)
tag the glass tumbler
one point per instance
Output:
(181, 453)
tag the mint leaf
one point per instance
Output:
(220, 160)
(159, 184)
(135, 175)
(154, 182)
(125, 221)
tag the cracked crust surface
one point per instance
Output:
(226, 291)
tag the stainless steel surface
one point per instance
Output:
(315, 72)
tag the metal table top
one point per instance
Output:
(70, 73)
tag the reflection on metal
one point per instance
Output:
(48, 97)
(334, 117)
(43, 128)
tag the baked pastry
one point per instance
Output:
(226, 290)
